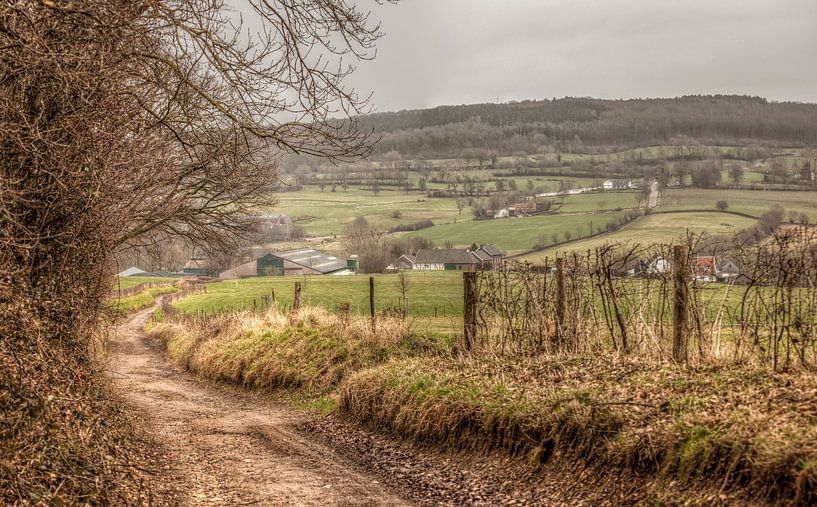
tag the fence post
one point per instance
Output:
(470, 306)
(296, 301)
(561, 303)
(680, 303)
(371, 304)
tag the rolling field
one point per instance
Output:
(605, 201)
(332, 210)
(753, 202)
(515, 234)
(655, 228)
(428, 293)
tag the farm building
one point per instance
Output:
(406, 261)
(449, 259)
(132, 271)
(303, 261)
(728, 270)
(705, 268)
(522, 208)
(489, 256)
(200, 267)
(484, 257)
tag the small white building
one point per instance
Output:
(607, 185)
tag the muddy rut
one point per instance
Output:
(227, 447)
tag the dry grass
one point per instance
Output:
(719, 428)
(309, 349)
(728, 428)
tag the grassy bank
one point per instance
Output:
(129, 304)
(733, 430)
(132, 281)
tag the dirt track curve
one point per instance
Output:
(232, 448)
(222, 445)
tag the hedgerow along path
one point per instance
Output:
(231, 447)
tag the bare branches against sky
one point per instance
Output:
(462, 51)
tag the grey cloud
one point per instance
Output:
(460, 51)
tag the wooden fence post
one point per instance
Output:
(561, 303)
(296, 301)
(371, 304)
(680, 303)
(470, 307)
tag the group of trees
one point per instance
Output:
(124, 124)
(572, 124)
(375, 247)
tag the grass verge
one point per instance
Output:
(123, 306)
(716, 430)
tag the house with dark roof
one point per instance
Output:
(448, 259)
(485, 257)
(200, 267)
(303, 261)
(494, 257)
(405, 261)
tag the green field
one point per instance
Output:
(604, 201)
(330, 211)
(132, 281)
(428, 293)
(753, 202)
(128, 304)
(516, 234)
(655, 228)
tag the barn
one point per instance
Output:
(303, 261)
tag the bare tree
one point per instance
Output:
(126, 122)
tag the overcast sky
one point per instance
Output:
(439, 52)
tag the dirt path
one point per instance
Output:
(228, 447)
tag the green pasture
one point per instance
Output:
(127, 282)
(429, 293)
(753, 202)
(595, 202)
(516, 234)
(128, 304)
(330, 211)
(655, 228)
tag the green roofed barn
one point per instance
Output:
(304, 261)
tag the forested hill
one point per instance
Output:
(578, 123)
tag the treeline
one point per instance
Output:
(575, 124)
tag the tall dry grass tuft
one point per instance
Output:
(310, 348)
(619, 299)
